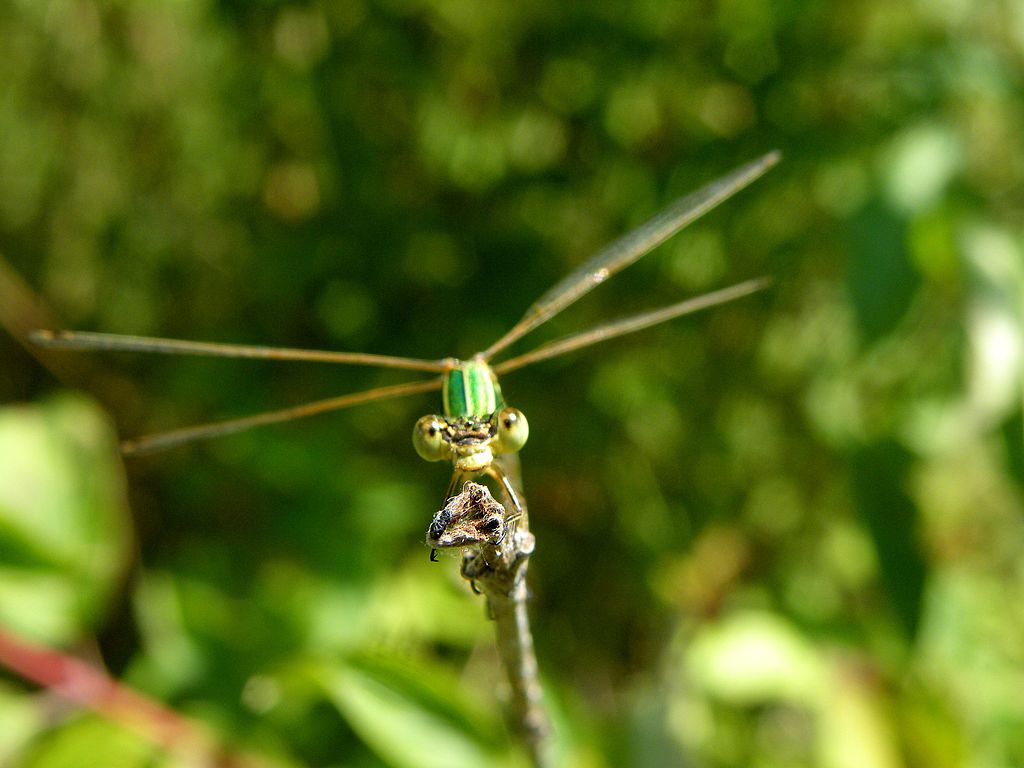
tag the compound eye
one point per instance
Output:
(428, 439)
(512, 430)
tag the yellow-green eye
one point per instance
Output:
(428, 439)
(512, 430)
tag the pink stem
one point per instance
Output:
(90, 687)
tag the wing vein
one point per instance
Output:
(113, 342)
(630, 247)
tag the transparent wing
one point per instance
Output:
(114, 342)
(627, 249)
(631, 324)
(163, 440)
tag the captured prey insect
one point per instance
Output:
(469, 520)
(477, 432)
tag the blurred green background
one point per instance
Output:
(786, 532)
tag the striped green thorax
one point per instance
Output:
(476, 426)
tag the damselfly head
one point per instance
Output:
(470, 442)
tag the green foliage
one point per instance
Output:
(64, 526)
(94, 741)
(783, 533)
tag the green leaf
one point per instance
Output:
(413, 717)
(90, 741)
(995, 318)
(881, 280)
(64, 525)
(753, 658)
(879, 475)
(21, 717)
(1012, 432)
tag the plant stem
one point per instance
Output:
(506, 596)
(91, 687)
(496, 565)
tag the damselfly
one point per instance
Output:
(477, 430)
